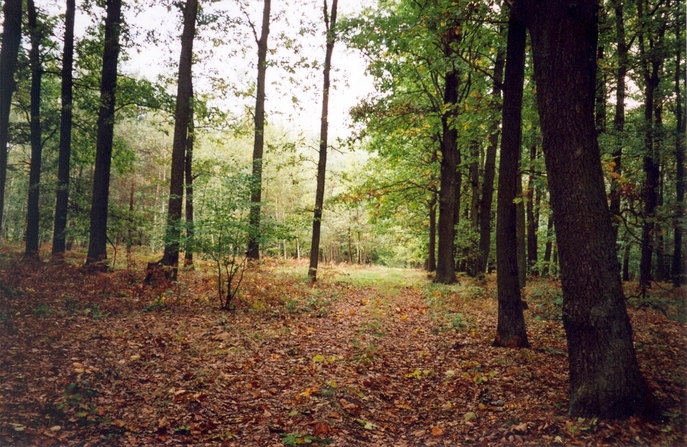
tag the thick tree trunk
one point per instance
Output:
(181, 120)
(97, 245)
(253, 251)
(188, 183)
(32, 209)
(489, 171)
(449, 184)
(605, 380)
(678, 264)
(11, 37)
(63, 164)
(330, 24)
(510, 330)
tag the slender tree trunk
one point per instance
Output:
(330, 26)
(605, 380)
(520, 225)
(188, 180)
(510, 330)
(11, 37)
(652, 61)
(182, 113)
(130, 230)
(432, 250)
(489, 170)
(33, 211)
(449, 185)
(547, 270)
(97, 245)
(619, 117)
(532, 211)
(259, 140)
(626, 259)
(678, 264)
(63, 164)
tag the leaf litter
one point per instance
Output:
(100, 359)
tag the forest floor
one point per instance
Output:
(366, 356)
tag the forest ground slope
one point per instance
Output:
(366, 356)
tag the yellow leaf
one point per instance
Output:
(404, 317)
(469, 416)
(318, 359)
(416, 374)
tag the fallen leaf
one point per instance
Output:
(437, 431)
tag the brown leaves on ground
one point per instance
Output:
(101, 359)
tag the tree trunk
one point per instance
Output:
(62, 193)
(253, 251)
(489, 171)
(651, 61)
(678, 264)
(532, 211)
(547, 269)
(449, 184)
(188, 180)
(181, 120)
(619, 117)
(510, 330)
(11, 37)
(605, 380)
(520, 236)
(97, 245)
(330, 25)
(33, 211)
(432, 249)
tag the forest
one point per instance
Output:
(397, 222)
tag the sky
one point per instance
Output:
(349, 81)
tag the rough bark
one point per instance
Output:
(253, 251)
(487, 194)
(32, 208)
(63, 164)
(547, 269)
(510, 329)
(330, 24)
(11, 36)
(182, 110)
(97, 245)
(605, 380)
(449, 184)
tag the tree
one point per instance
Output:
(605, 380)
(97, 245)
(678, 267)
(33, 213)
(62, 194)
(330, 29)
(449, 187)
(510, 329)
(259, 141)
(487, 194)
(11, 37)
(188, 182)
(170, 257)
